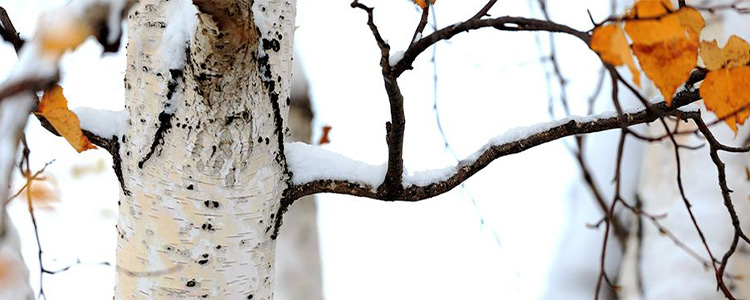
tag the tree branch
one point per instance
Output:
(483, 12)
(468, 167)
(8, 31)
(505, 23)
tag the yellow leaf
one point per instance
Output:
(725, 91)
(657, 24)
(735, 53)
(54, 108)
(65, 35)
(610, 42)
(668, 63)
(650, 8)
(665, 42)
(424, 3)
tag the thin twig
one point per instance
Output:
(506, 23)
(8, 31)
(483, 12)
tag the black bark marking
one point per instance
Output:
(165, 119)
(271, 44)
(172, 84)
(117, 165)
(164, 125)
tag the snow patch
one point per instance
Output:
(519, 133)
(425, 178)
(104, 123)
(417, 37)
(309, 163)
(395, 58)
(183, 21)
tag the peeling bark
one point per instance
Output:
(203, 153)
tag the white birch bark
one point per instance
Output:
(202, 157)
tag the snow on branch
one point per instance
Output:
(101, 122)
(320, 171)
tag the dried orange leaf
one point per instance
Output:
(650, 8)
(324, 138)
(424, 3)
(735, 53)
(54, 108)
(665, 42)
(610, 42)
(668, 63)
(725, 92)
(657, 25)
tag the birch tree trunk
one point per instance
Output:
(202, 161)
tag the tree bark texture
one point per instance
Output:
(202, 158)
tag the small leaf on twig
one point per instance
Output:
(610, 42)
(54, 108)
(665, 42)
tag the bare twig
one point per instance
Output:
(506, 23)
(483, 12)
(26, 185)
(688, 91)
(8, 31)
(578, 152)
(715, 147)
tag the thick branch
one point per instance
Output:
(395, 139)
